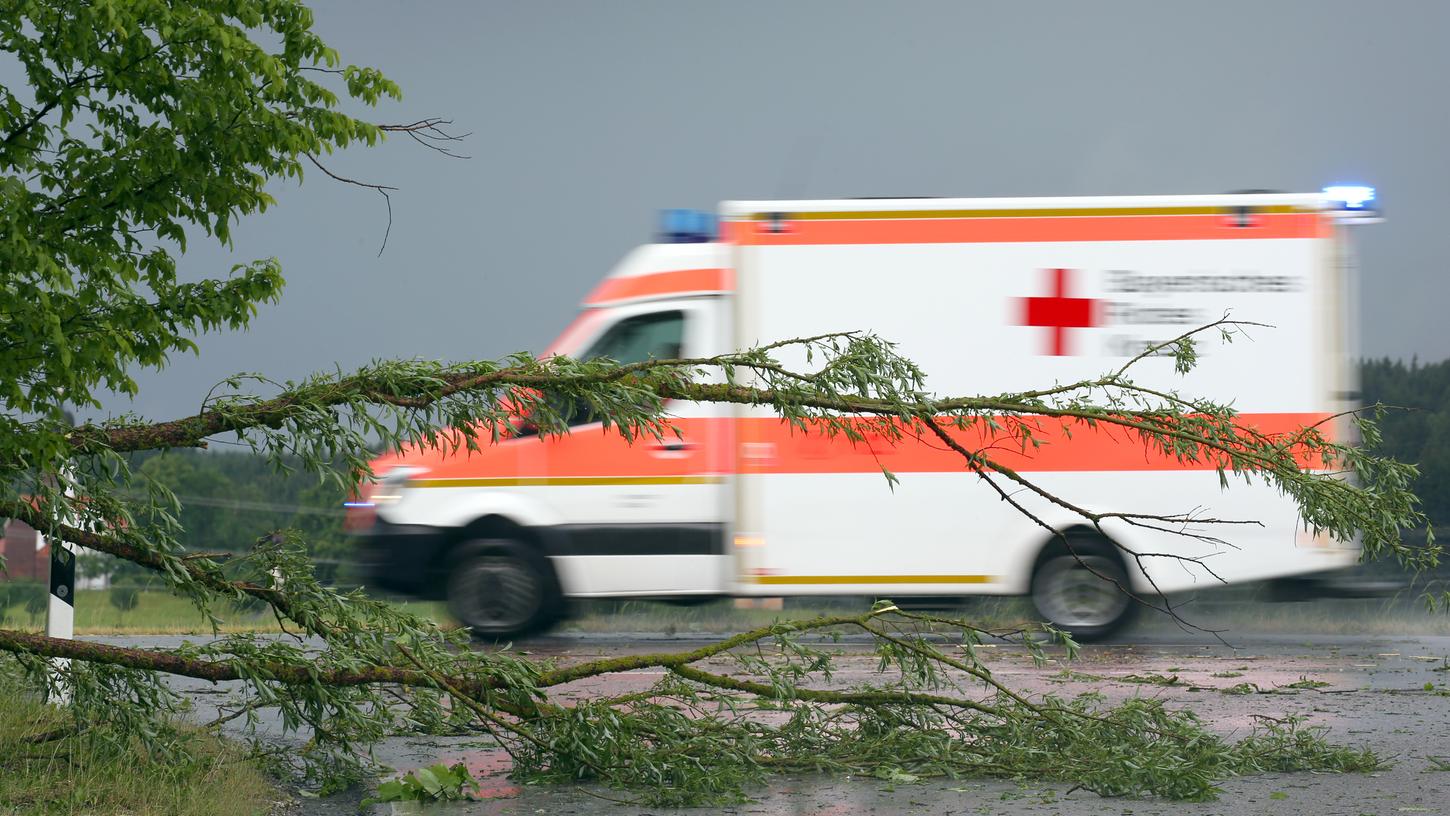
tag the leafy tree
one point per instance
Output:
(1417, 427)
(145, 125)
(203, 526)
(125, 598)
(226, 497)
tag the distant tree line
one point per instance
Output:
(1417, 428)
(229, 499)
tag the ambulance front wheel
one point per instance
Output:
(1083, 589)
(502, 589)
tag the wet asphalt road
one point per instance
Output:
(1376, 696)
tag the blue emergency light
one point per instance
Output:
(1353, 197)
(687, 226)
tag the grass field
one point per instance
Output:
(163, 613)
(75, 775)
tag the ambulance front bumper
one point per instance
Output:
(402, 557)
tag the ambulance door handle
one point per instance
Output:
(672, 446)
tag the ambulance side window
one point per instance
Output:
(657, 336)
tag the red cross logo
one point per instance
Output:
(1058, 311)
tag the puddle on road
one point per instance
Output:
(490, 768)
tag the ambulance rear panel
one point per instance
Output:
(998, 296)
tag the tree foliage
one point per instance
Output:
(1416, 425)
(227, 498)
(142, 123)
(145, 125)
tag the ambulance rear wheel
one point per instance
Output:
(502, 589)
(1083, 589)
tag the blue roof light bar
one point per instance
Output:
(687, 226)
(1352, 196)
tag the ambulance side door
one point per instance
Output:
(644, 518)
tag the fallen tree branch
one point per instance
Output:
(216, 671)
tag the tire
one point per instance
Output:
(500, 588)
(1080, 589)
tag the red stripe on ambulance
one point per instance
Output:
(1028, 230)
(656, 284)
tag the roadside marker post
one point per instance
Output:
(60, 612)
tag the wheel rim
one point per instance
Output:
(1069, 594)
(495, 593)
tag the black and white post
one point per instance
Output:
(60, 615)
(61, 611)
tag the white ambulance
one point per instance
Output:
(988, 296)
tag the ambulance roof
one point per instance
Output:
(860, 206)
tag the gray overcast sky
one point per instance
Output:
(588, 117)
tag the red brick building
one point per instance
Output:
(23, 559)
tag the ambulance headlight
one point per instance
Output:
(1352, 197)
(390, 487)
